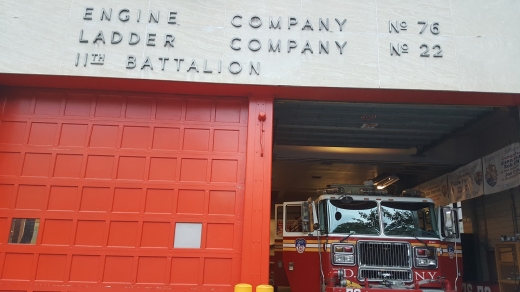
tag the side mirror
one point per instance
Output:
(305, 212)
(316, 226)
(305, 217)
(449, 223)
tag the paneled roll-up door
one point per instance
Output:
(121, 192)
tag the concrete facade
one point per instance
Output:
(478, 41)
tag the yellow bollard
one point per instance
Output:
(243, 288)
(264, 288)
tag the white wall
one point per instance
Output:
(480, 41)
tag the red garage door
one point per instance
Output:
(103, 190)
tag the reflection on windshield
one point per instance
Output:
(358, 217)
(409, 219)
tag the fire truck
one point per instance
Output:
(355, 238)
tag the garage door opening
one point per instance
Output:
(318, 144)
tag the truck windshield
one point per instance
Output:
(409, 219)
(357, 217)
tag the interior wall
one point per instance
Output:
(501, 130)
(488, 134)
(488, 218)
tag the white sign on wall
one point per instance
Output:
(466, 182)
(332, 44)
(502, 169)
(437, 190)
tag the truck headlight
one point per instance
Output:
(344, 259)
(343, 254)
(425, 257)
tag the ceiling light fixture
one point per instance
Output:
(385, 181)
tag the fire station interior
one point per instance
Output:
(316, 144)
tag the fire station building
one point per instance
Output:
(143, 144)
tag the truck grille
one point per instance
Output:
(380, 274)
(384, 260)
(384, 254)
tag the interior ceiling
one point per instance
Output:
(367, 125)
(350, 141)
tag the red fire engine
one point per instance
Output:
(355, 238)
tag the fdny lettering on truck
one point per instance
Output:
(425, 275)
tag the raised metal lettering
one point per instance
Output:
(325, 24)
(252, 68)
(150, 40)
(307, 47)
(99, 37)
(404, 48)
(179, 61)
(278, 24)
(341, 47)
(233, 20)
(193, 66)
(232, 45)
(424, 24)
(205, 68)
(292, 21)
(127, 17)
(425, 53)
(172, 17)
(392, 26)
(230, 68)
(257, 23)
(307, 25)
(291, 44)
(434, 28)
(133, 35)
(153, 16)
(106, 15)
(130, 62)
(163, 62)
(115, 40)
(395, 49)
(88, 13)
(148, 63)
(254, 49)
(439, 53)
(81, 40)
(324, 48)
(341, 23)
(271, 48)
(98, 59)
(168, 39)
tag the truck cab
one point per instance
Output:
(353, 238)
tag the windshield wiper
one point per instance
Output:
(425, 244)
(345, 238)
